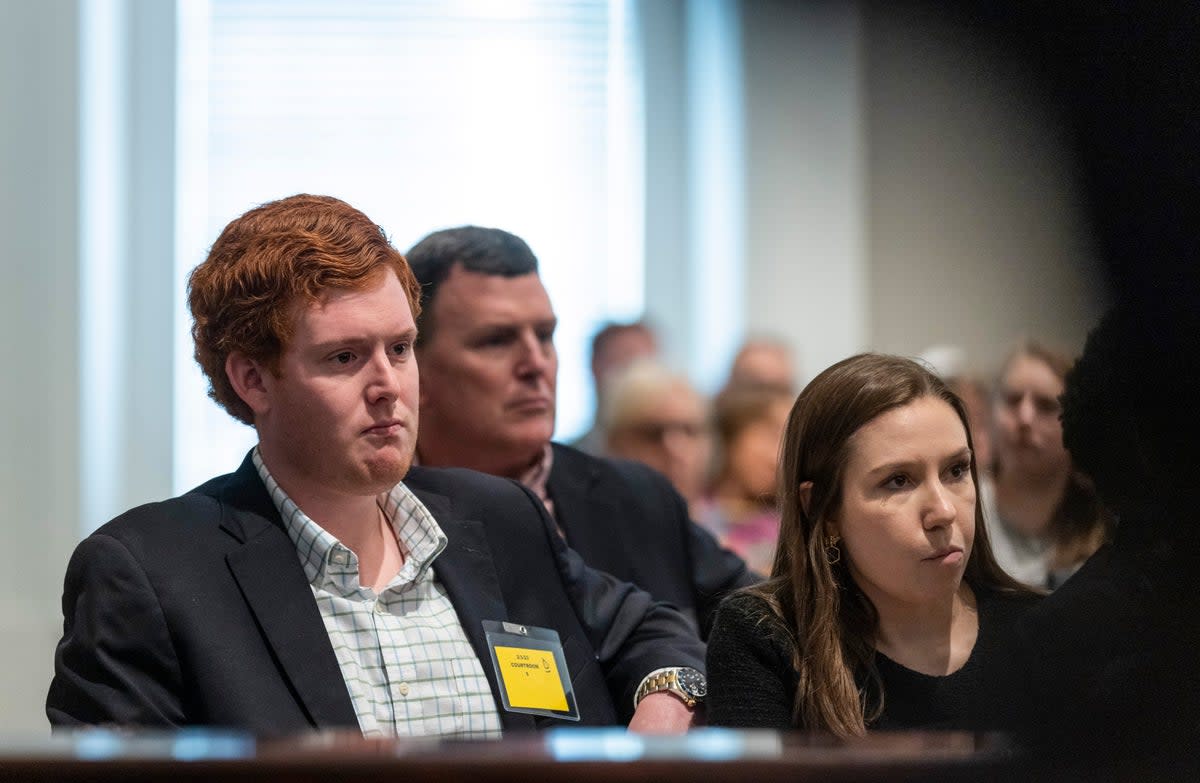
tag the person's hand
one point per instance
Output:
(662, 713)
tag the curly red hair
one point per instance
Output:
(286, 251)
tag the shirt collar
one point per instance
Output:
(417, 532)
(538, 476)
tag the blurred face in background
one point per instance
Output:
(1028, 429)
(669, 432)
(753, 455)
(622, 349)
(974, 397)
(763, 364)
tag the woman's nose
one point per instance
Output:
(940, 509)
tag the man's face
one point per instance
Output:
(487, 395)
(341, 417)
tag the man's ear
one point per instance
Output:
(247, 378)
(805, 496)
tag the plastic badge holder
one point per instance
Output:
(531, 670)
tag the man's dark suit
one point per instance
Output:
(626, 519)
(197, 611)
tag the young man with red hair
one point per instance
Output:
(324, 584)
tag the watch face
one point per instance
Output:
(692, 682)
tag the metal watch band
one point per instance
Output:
(663, 680)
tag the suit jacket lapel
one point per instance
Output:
(586, 513)
(273, 582)
(468, 573)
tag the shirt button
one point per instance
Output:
(403, 688)
(380, 608)
(339, 558)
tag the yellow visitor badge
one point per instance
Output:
(531, 670)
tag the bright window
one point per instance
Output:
(425, 114)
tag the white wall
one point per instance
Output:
(126, 269)
(694, 159)
(975, 234)
(755, 213)
(906, 185)
(86, 389)
(806, 269)
(39, 335)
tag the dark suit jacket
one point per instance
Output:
(627, 519)
(196, 610)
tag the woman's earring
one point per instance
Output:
(833, 553)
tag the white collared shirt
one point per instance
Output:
(408, 665)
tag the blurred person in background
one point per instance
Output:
(1045, 516)
(974, 395)
(614, 347)
(740, 507)
(1101, 675)
(656, 417)
(950, 363)
(763, 361)
(488, 400)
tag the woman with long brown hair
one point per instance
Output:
(884, 599)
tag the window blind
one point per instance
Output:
(519, 114)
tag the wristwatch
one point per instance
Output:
(684, 682)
